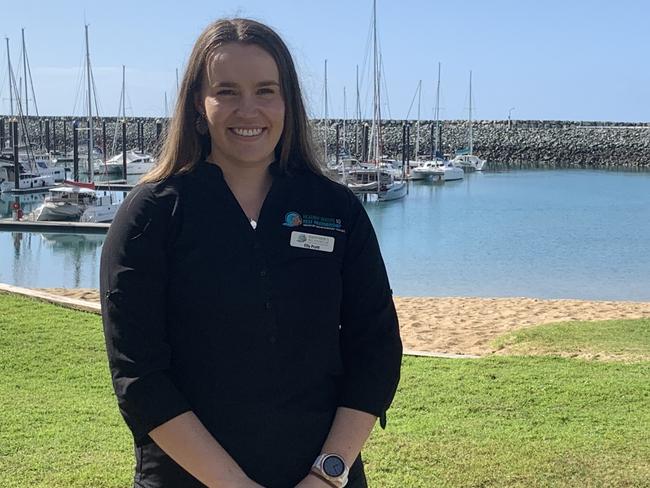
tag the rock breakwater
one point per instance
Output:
(517, 143)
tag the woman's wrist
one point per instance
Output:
(324, 482)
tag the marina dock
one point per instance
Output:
(10, 225)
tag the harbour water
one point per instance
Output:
(536, 233)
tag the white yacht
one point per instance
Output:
(66, 163)
(136, 163)
(452, 172)
(75, 203)
(469, 161)
(440, 170)
(36, 163)
(26, 179)
(429, 169)
(364, 182)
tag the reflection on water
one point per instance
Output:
(66, 243)
(50, 260)
(27, 202)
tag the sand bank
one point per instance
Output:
(468, 325)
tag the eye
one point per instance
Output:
(225, 91)
(266, 91)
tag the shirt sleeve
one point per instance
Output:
(370, 340)
(133, 277)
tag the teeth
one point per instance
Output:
(247, 132)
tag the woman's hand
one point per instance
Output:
(311, 481)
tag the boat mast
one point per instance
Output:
(345, 116)
(358, 116)
(22, 30)
(124, 94)
(437, 113)
(91, 129)
(471, 142)
(11, 96)
(376, 99)
(326, 118)
(417, 124)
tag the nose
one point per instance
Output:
(248, 106)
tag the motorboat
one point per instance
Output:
(26, 179)
(35, 163)
(452, 172)
(66, 163)
(75, 203)
(364, 182)
(429, 169)
(136, 163)
(469, 161)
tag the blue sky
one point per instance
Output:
(566, 60)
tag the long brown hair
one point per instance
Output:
(183, 147)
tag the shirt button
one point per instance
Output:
(257, 245)
(272, 339)
(263, 273)
(268, 305)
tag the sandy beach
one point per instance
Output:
(468, 325)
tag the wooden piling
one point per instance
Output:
(124, 148)
(75, 150)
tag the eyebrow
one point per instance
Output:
(230, 84)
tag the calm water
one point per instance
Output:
(536, 233)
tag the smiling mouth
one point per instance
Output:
(247, 132)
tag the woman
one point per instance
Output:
(249, 323)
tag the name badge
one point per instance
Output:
(312, 241)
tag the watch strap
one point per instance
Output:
(321, 477)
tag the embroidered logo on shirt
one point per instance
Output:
(294, 219)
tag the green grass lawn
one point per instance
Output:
(619, 340)
(492, 422)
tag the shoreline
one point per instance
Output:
(466, 325)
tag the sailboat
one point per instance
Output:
(465, 158)
(78, 201)
(34, 170)
(439, 168)
(380, 180)
(418, 161)
(136, 163)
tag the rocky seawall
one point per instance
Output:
(504, 144)
(518, 143)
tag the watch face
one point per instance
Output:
(333, 466)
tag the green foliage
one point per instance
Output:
(492, 422)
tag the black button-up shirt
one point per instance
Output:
(262, 333)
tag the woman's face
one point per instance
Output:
(244, 107)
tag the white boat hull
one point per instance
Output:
(394, 192)
(454, 174)
(27, 183)
(131, 168)
(469, 161)
(100, 214)
(49, 212)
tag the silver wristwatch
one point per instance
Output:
(332, 469)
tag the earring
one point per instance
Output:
(201, 124)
